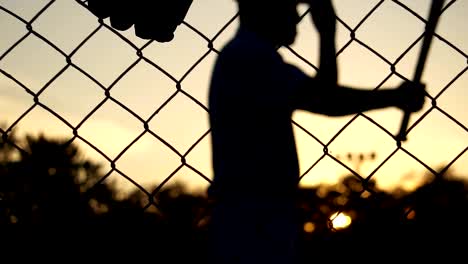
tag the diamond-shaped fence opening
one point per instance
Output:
(141, 106)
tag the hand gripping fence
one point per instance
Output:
(35, 97)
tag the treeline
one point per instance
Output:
(49, 191)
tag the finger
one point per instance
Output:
(99, 8)
(156, 22)
(159, 20)
(121, 21)
(123, 15)
(156, 32)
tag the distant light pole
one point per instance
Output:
(358, 159)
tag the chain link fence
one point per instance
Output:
(180, 90)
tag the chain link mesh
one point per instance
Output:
(139, 50)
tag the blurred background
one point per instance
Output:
(97, 123)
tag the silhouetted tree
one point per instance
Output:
(45, 184)
(51, 187)
(50, 184)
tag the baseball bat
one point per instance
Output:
(434, 15)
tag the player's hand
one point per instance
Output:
(121, 13)
(411, 96)
(151, 19)
(323, 16)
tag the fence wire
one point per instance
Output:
(211, 49)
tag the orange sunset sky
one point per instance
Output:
(389, 30)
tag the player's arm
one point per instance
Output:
(324, 18)
(316, 96)
(323, 95)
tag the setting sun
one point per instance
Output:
(340, 220)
